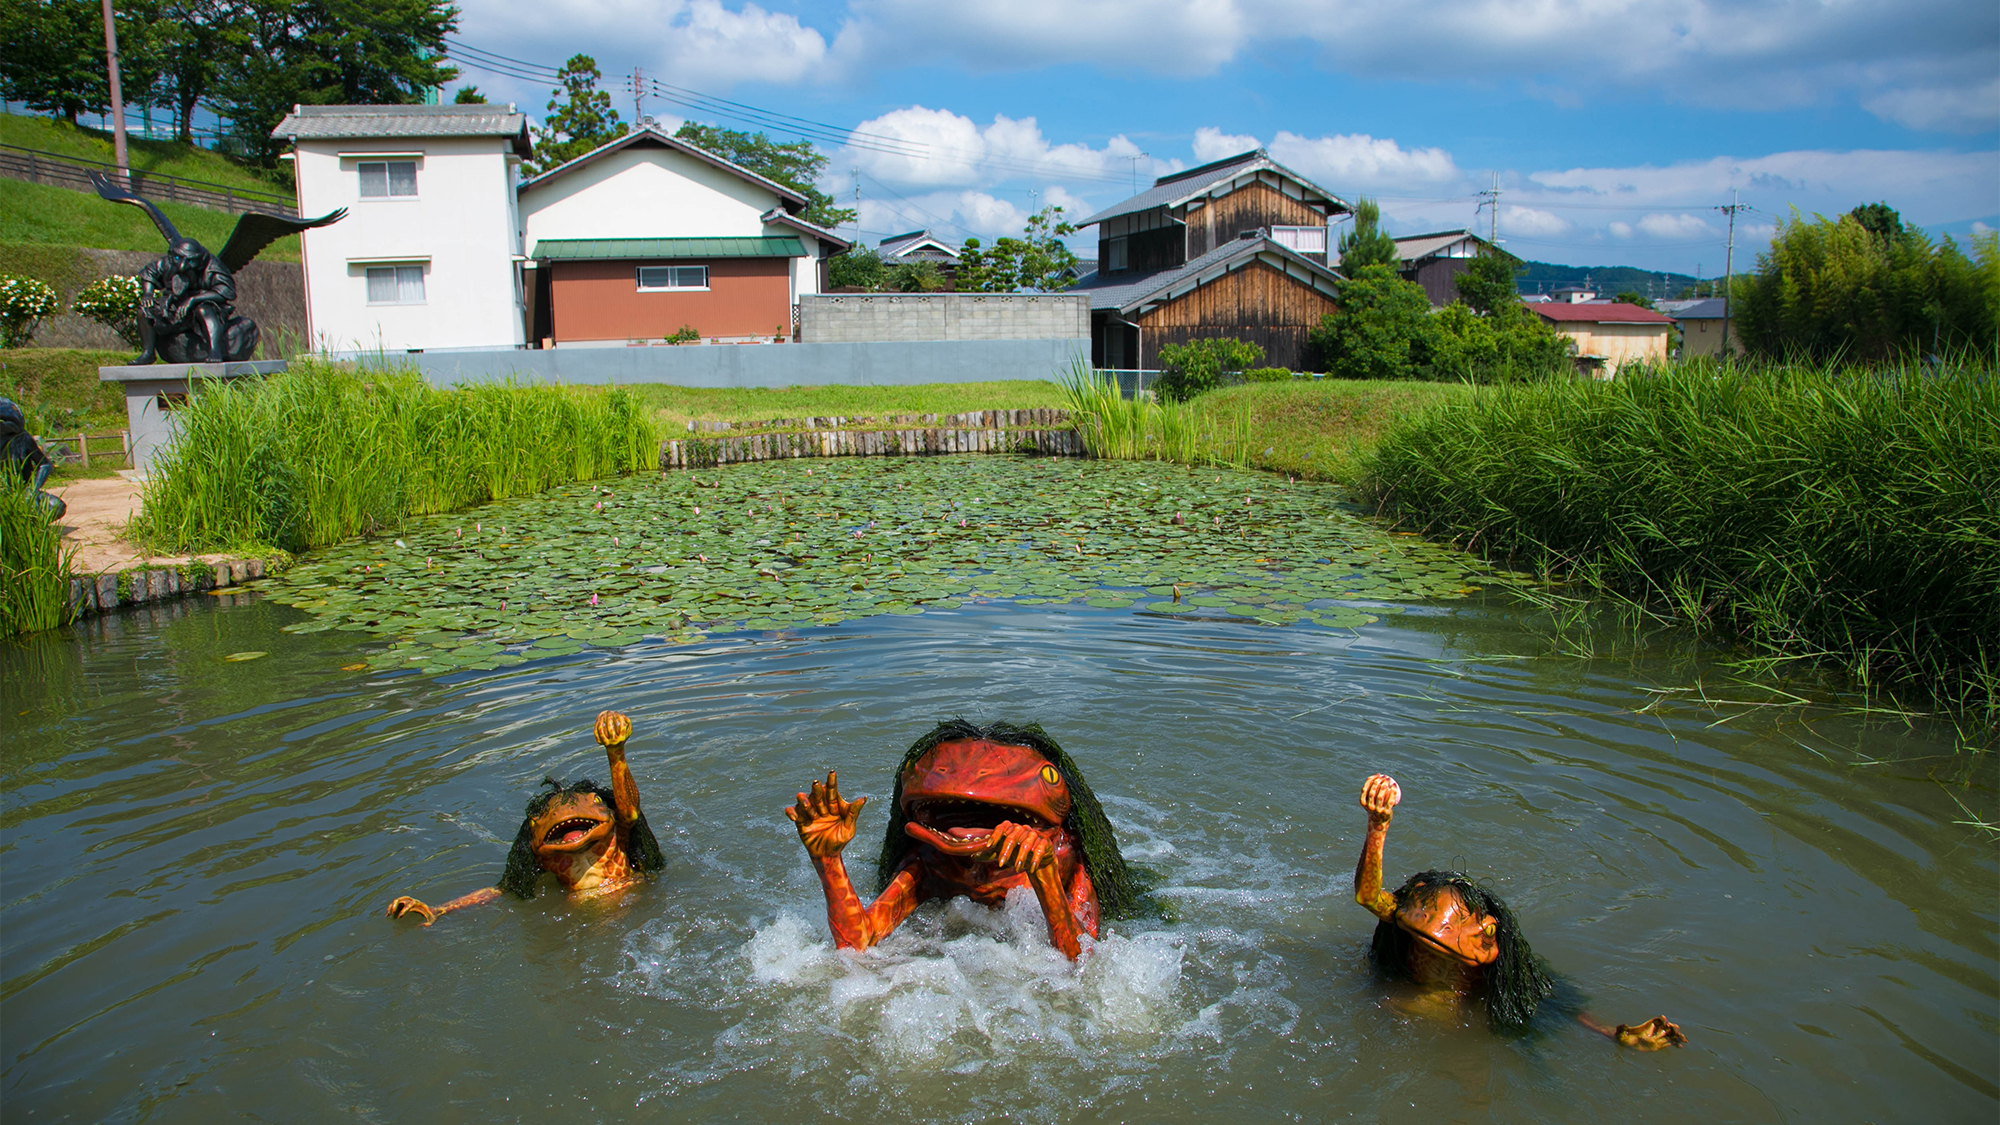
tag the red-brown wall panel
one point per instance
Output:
(600, 300)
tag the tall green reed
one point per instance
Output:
(1843, 513)
(1140, 429)
(322, 453)
(34, 564)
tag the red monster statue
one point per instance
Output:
(975, 813)
(1457, 940)
(593, 840)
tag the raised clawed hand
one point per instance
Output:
(825, 822)
(1379, 795)
(408, 905)
(1652, 1035)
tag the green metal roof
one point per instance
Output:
(571, 249)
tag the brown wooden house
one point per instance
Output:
(1236, 248)
(1435, 260)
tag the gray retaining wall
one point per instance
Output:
(851, 318)
(752, 365)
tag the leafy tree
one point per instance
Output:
(1864, 286)
(1487, 284)
(1633, 297)
(1367, 244)
(916, 277)
(584, 120)
(797, 165)
(859, 268)
(1382, 331)
(54, 61)
(280, 53)
(1038, 261)
(468, 95)
(1511, 345)
(1189, 369)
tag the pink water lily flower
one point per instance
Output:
(593, 599)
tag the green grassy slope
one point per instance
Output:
(159, 157)
(39, 213)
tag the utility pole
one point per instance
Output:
(1492, 200)
(1729, 264)
(638, 98)
(117, 94)
(856, 173)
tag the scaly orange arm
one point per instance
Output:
(613, 729)
(826, 824)
(1379, 795)
(408, 905)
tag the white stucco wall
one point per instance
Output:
(460, 226)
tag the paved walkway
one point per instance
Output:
(95, 524)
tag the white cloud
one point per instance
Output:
(691, 43)
(1532, 221)
(1980, 228)
(1341, 162)
(1211, 143)
(1952, 109)
(920, 147)
(1620, 230)
(1675, 226)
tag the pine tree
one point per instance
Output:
(1367, 244)
(581, 122)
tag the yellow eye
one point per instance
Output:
(1050, 776)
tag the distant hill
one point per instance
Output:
(1546, 277)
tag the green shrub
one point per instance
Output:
(320, 453)
(1187, 370)
(686, 334)
(1267, 375)
(1382, 331)
(112, 302)
(24, 301)
(1508, 345)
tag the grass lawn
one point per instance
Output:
(40, 213)
(58, 388)
(1318, 428)
(674, 407)
(167, 158)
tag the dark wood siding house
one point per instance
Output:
(1435, 260)
(1234, 248)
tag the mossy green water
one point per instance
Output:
(797, 544)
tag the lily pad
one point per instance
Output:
(240, 657)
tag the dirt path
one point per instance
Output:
(95, 524)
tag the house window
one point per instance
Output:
(1115, 253)
(655, 278)
(388, 179)
(1301, 240)
(395, 285)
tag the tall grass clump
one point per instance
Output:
(1844, 513)
(34, 564)
(1139, 429)
(322, 453)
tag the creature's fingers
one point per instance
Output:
(854, 808)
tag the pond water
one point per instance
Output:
(195, 854)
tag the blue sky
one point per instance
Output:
(1614, 126)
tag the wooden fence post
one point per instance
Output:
(83, 448)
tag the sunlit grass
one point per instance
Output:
(1139, 429)
(676, 406)
(319, 454)
(34, 565)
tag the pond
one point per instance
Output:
(197, 851)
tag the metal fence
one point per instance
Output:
(1132, 381)
(36, 166)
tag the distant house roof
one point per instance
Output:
(1414, 248)
(902, 245)
(340, 122)
(1129, 294)
(579, 249)
(1181, 187)
(1704, 308)
(780, 215)
(1604, 312)
(653, 135)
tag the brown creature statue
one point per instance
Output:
(976, 812)
(593, 840)
(1457, 940)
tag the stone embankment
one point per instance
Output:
(1042, 431)
(101, 593)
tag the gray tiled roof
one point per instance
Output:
(1705, 308)
(1126, 291)
(339, 122)
(1169, 191)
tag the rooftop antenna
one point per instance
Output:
(1135, 169)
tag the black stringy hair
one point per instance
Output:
(1514, 985)
(1120, 890)
(523, 873)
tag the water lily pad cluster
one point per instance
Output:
(795, 544)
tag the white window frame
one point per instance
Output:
(1291, 237)
(389, 191)
(676, 279)
(396, 271)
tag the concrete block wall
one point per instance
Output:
(854, 318)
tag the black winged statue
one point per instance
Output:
(187, 299)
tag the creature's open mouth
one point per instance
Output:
(961, 826)
(1441, 947)
(572, 831)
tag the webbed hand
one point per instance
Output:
(1652, 1035)
(1379, 795)
(825, 822)
(1018, 848)
(408, 905)
(613, 728)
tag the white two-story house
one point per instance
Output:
(429, 255)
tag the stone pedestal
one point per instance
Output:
(155, 390)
